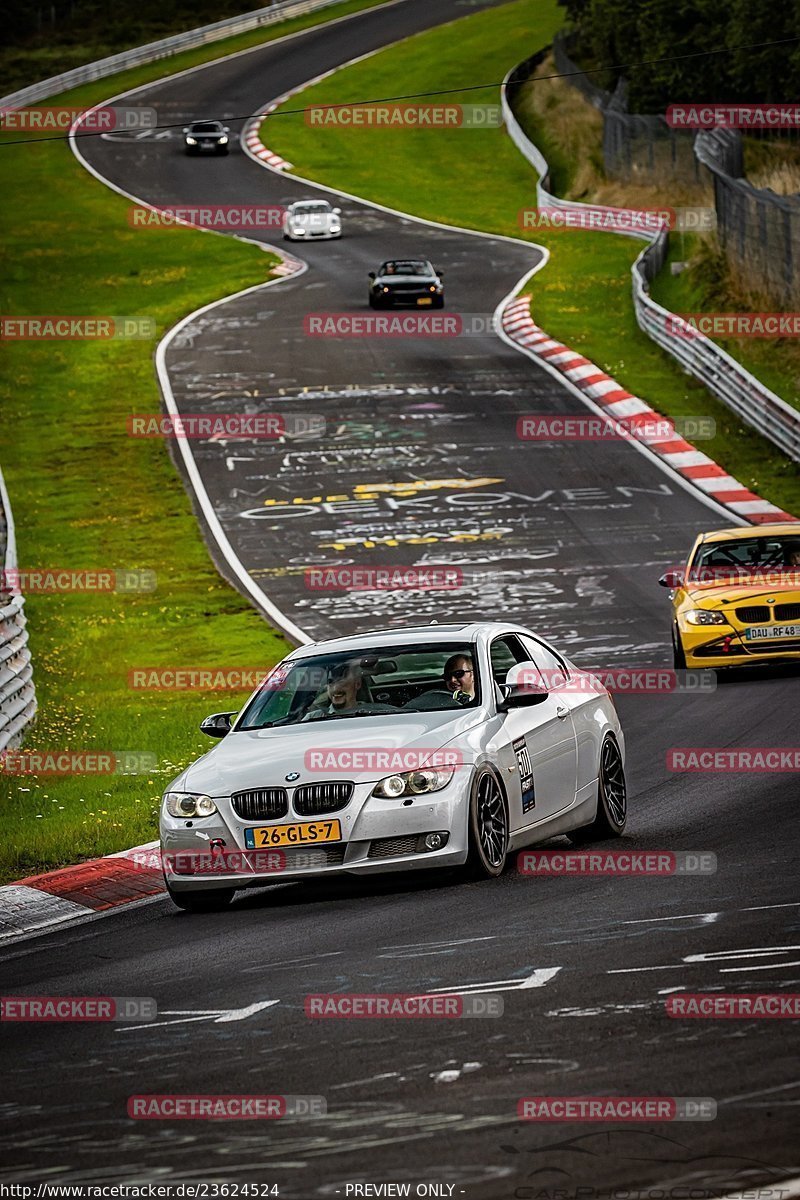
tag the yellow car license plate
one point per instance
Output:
(293, 835)
(424, 300)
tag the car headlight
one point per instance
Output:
(414, 783)
(191, 141)
(705, 616)
(223, 141)
(188, 804)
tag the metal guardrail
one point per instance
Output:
(17, 693)
(163, 49)
(740, 391)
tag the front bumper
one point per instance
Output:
(378, 837)
(313, 235)
(722, 646)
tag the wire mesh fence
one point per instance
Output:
(759, 230)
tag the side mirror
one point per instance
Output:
(217, 725)
(371, 275)
(439, 272)
(225, 129)
(523, 687)
(671, 579)
(186, 129)
(337, 211)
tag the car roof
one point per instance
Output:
(206, 121)
(409, 635)
(311, 200)
(782, 528)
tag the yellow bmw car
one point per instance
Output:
(737, 601)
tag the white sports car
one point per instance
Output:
(431, 747)
(308, 220)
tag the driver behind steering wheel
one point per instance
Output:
(459, 670)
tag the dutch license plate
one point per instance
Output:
(424, 300)
(309, 834)
(763, 633)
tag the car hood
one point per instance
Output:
(717, 593)
(255, 758)
(311, 218)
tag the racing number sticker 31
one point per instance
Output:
(525, 774)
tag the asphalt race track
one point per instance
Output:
(420, 464)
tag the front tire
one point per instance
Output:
(202, 902)
(678, 653)
(612, 798)
(488, 827)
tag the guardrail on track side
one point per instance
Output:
(17, 692)
(740, 391)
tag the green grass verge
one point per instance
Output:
(87, 496)
(477, 179)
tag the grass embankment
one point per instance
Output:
(87, 496)
(477, 179)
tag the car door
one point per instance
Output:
(538, 751)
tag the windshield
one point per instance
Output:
(405, 267)
(206, 127)
(302, 210)
(391, 680)
(746, 558)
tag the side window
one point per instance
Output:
(504, 652)
(552, 667)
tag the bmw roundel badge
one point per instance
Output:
(290, 778)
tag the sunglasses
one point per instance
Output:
(458, 674)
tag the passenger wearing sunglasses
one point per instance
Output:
(459, 677)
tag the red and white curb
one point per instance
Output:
(74, 893)
(252, 139)
(681, 456)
